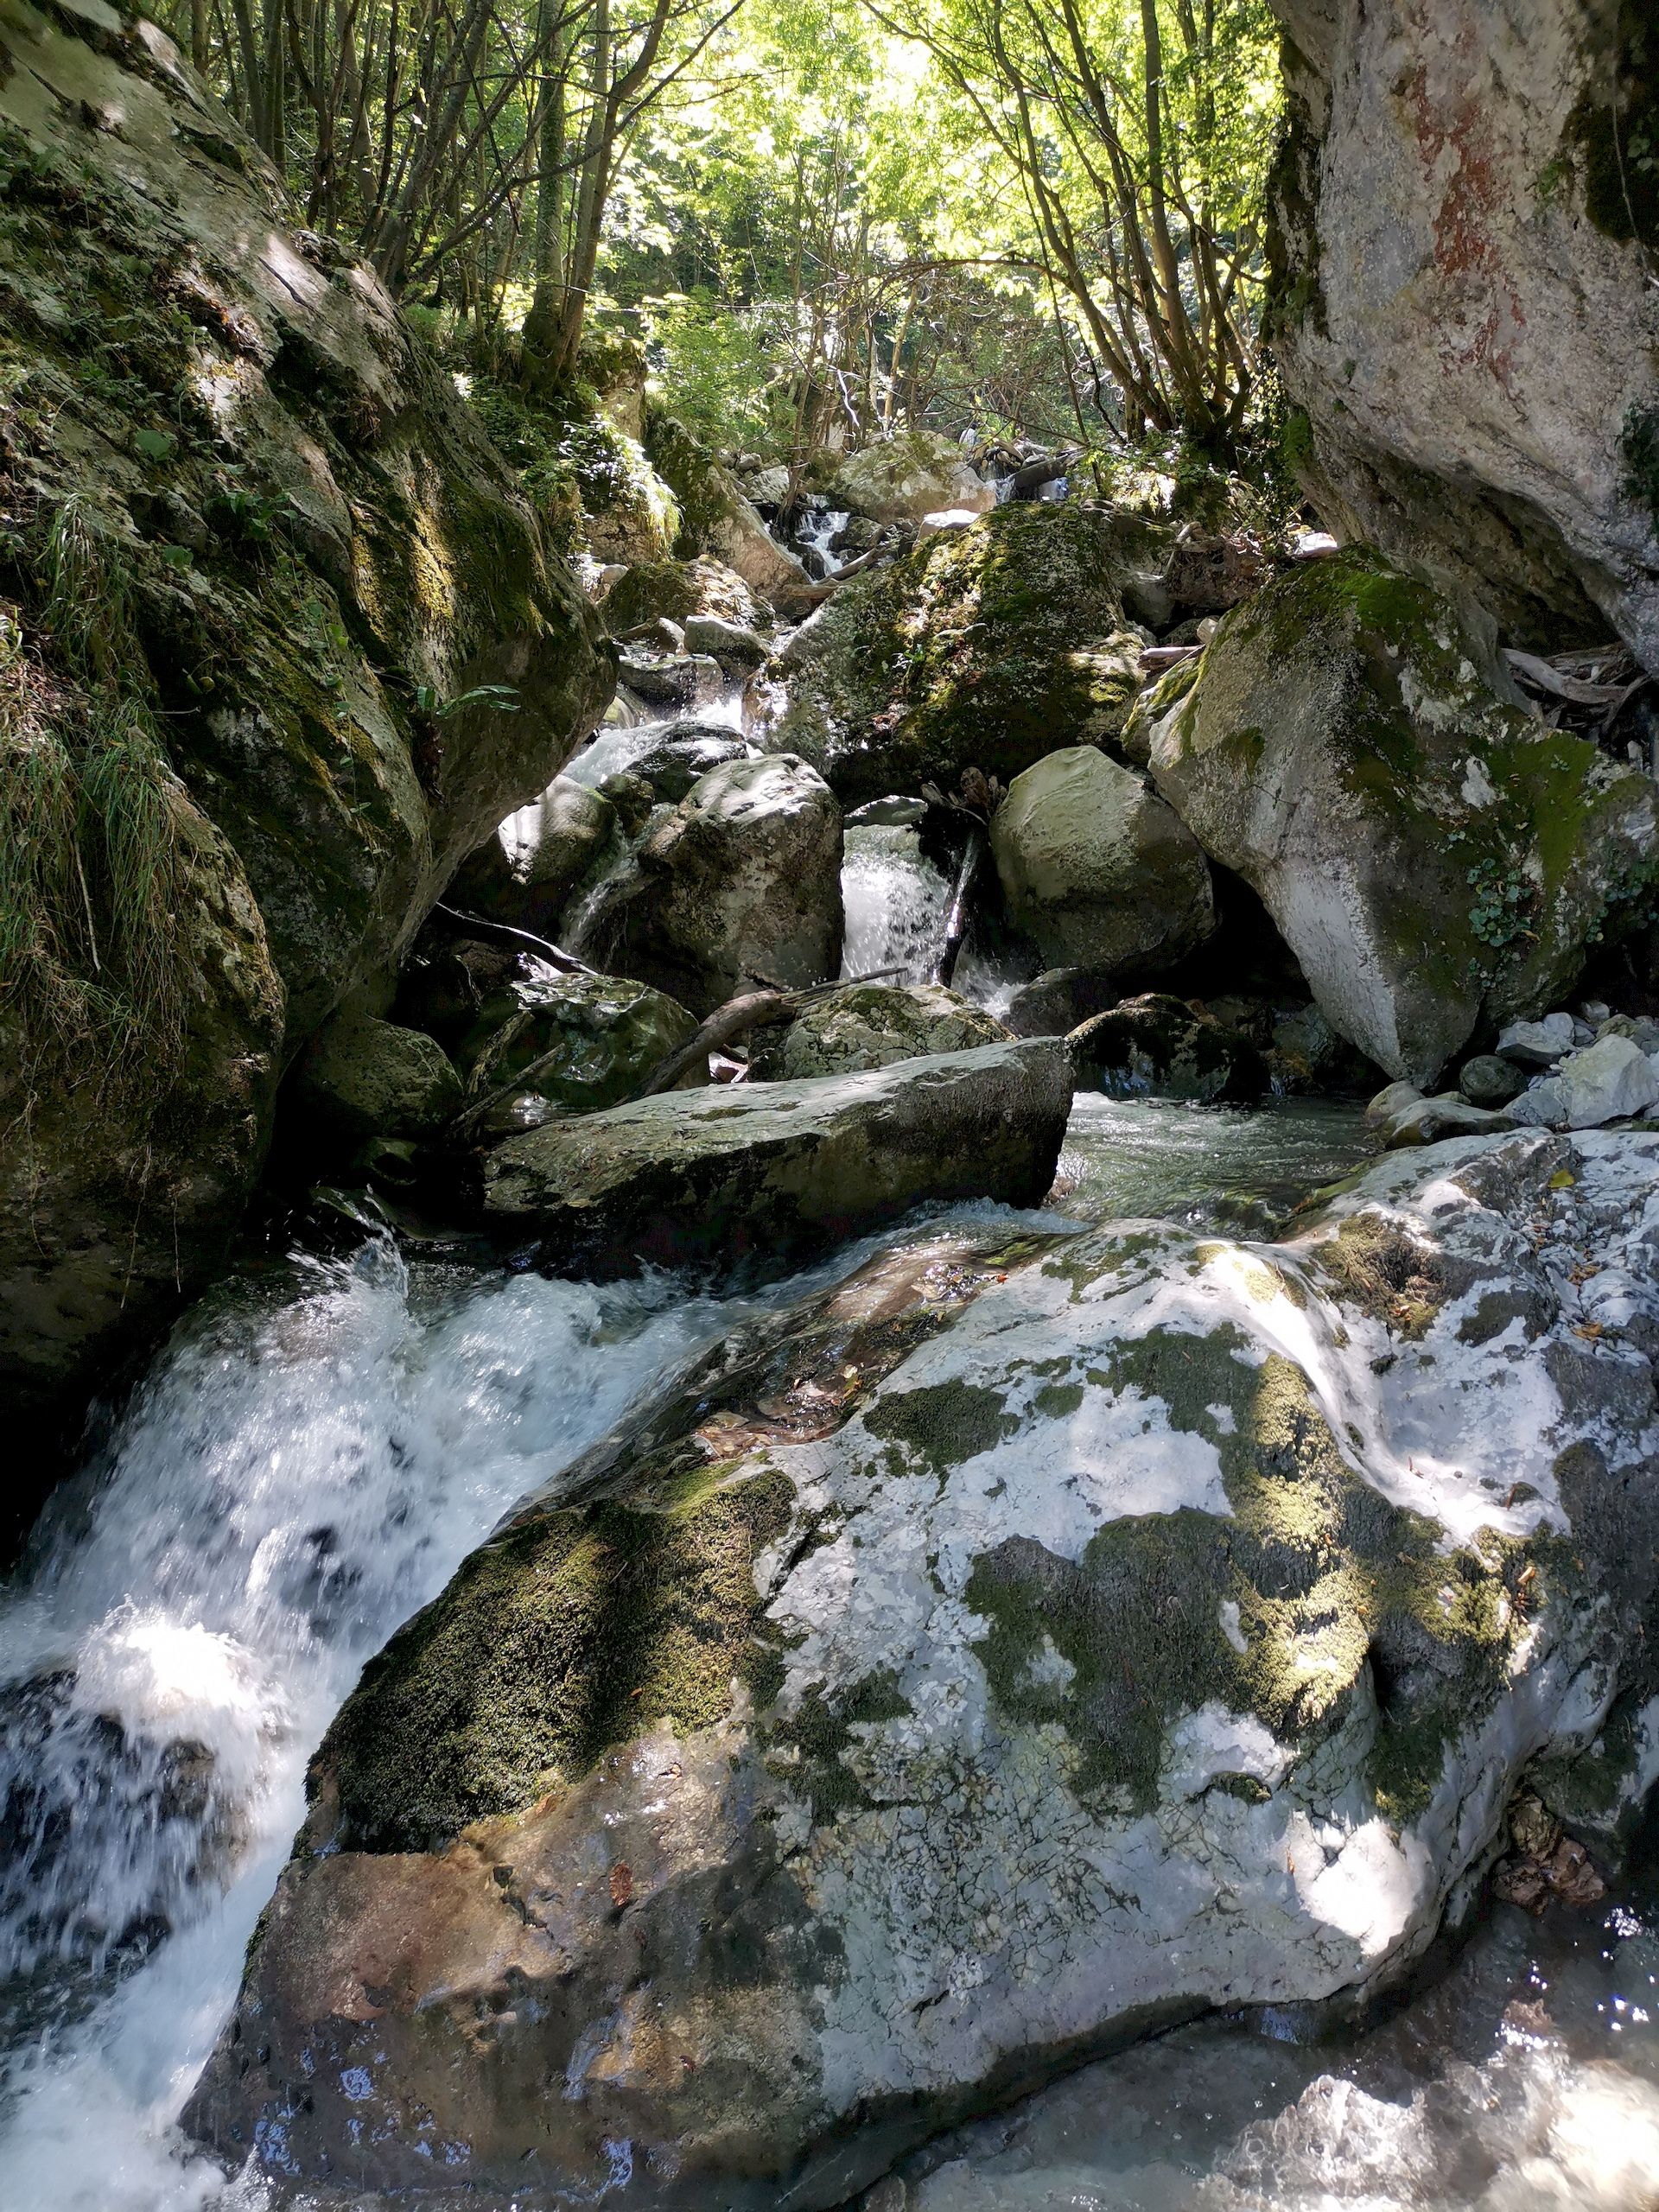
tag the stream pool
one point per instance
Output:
(307, 1463)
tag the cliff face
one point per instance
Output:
(1465, 311)
(279, 643)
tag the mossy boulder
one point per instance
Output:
(980, 648)
(299, 645)
(870, 1025)
(762, 1170)
(361, 1078)
(1014, 1648)
(717, 520)
(585, 472)
(1435, 858)
(652, 590)
(1096, 869)
(903, 477)
(579, 1042)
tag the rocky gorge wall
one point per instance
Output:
(279, 643)
(1466, 316)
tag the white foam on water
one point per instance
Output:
(303, 1469)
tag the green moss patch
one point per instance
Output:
(1327, 1578)
(569, 1636)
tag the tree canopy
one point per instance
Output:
(824, 219)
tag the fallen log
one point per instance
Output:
(1161, 657)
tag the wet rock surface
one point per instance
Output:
(1097, 870)
(284, 531)
(1110, 1631)
(767, 1168)
(1431, 855)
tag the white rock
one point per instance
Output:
(1607, 1080)
(1537, 1043)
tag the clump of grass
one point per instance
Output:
(91, 870)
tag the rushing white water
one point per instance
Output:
(303, 1469)
(894, 900)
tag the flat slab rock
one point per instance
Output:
(775, 1166)
(999, 1655)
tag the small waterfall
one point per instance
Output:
(816, 528)
(895, 899)
(304, 1468)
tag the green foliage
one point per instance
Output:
(89, 826)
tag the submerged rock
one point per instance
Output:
(870, 1025)
(983, 648)
(1096, 869)
(980, 1663)
(1432, 856)
(770, 1167)
(1155, 1043)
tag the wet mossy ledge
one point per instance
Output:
(280, 640)
(986, 647)
(1019, 1644)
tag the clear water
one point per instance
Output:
(306, 1466)
(1241, 1169)
(1528, 2080)
(307, 1463)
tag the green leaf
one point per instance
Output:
(155, 445)
(177, 556)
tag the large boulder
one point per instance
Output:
(1159, 1044)
(981, 648)
(717, 520)
(870, 1025)
(984, 1663)
(1465, 318)
(771, 1167)
(284, 643)
(742, 879)
(577, 1043)
(904, 478)
(540, 857)
(360, 1077)
(1096, 869)
(1434, 856)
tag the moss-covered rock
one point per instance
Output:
(1159, 1044)
(678, 589)
(716, 518)
(870, 1025)
(587, 475)
(1006, 1651)
(299, 645)
(580, 1042)
(903, 477)
(1432, 855)
(741, 878)
(1098, 871)
(360, 1077)
(981, 648)
(763, 1170)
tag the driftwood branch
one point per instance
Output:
(955, 920)
(475, 926)
(739, 1017)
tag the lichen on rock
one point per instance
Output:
(1026, 1656)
